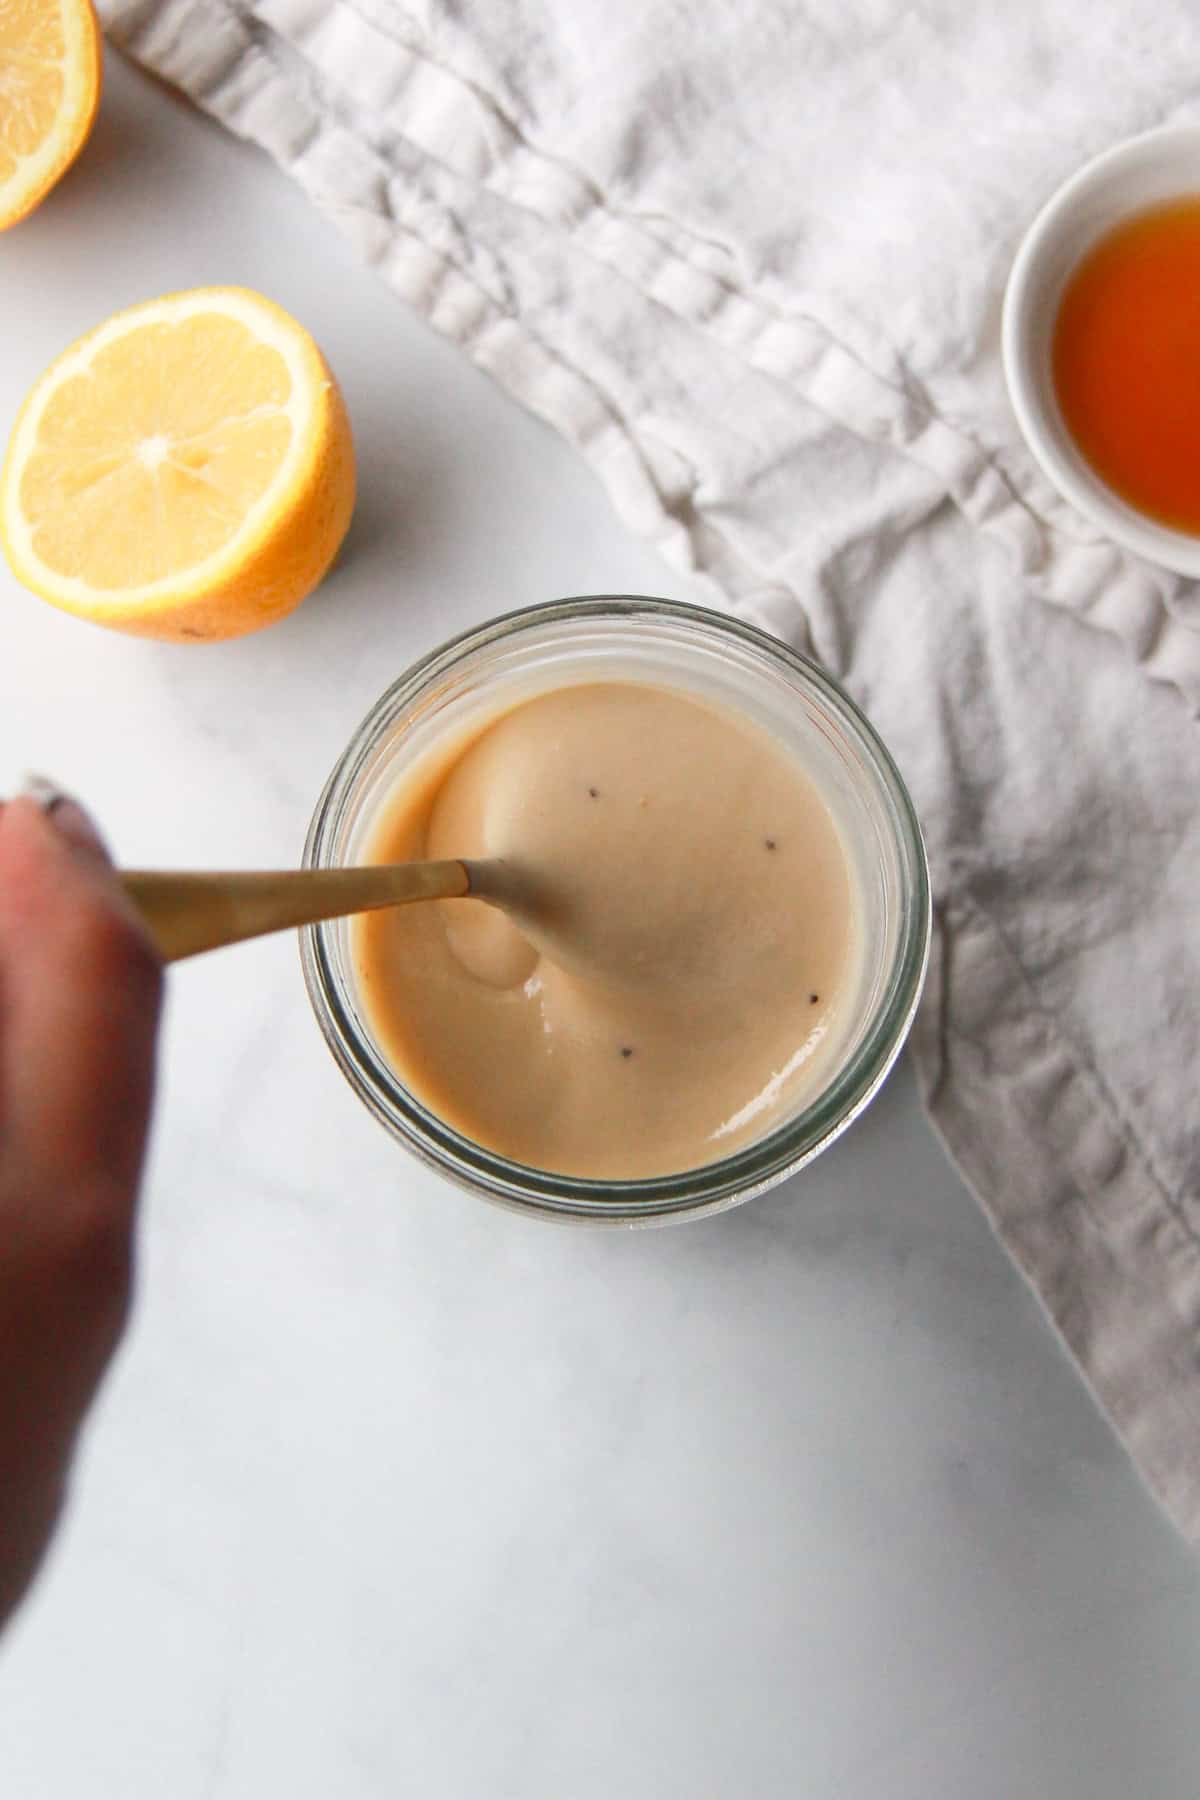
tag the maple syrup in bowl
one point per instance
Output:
(1102, 344)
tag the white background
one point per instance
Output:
(392, 1493)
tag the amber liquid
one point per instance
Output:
(1126, 361)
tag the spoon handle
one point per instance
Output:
(189, 913)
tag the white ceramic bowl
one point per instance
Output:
(1142, 172)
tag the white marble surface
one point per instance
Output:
(395, 1494)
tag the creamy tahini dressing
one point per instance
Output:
(684, 950)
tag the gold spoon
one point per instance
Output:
(188, 913)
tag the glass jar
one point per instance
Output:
(715, 657)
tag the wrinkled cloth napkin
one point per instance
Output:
(748, 256)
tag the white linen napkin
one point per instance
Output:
(748, 256)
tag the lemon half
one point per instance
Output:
(50, 63)
(185, 470)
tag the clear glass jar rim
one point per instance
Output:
(693, 1192)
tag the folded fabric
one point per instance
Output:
(749, 259)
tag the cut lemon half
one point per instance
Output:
(184, 471)
(49, 92)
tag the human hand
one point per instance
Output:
(80, 990)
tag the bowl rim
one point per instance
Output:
(1033, 400)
